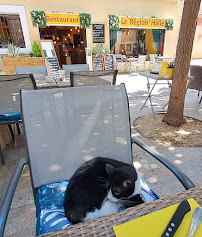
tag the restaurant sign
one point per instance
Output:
(62, 19)
(133, 22)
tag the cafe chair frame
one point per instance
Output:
(64, 127)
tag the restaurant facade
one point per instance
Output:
(126, 27)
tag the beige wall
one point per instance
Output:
(197, 49)
(100, 10)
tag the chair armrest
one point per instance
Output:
(183, 178)
(7, 197)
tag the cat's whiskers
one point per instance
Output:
(105, 181)
(104, 185)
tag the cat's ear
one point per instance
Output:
(110, 169)
(127, 183)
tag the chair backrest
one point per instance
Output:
(93, 78)
(65, 127)
(196, 83)
(152, 58)
(74, 68)
(10, 86)
(32, 70)
(141, 59)
(118, 58)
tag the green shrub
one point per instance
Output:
(36, 50)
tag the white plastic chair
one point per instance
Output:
(140, 63)
(152, 59)
(119, 61)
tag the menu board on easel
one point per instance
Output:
(98, 62)
(108, 62)
(50, 57)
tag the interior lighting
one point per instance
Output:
(58, 38)
(69, 34)
(54, 42)
(19, 30)
(75, 27)
(70, 29)
(65, 39)
(78, 30)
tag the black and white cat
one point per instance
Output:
(100, 187)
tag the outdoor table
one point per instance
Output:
(163, 58)
(129, 60)
(104, 226)
(158, 79)
(43, 84)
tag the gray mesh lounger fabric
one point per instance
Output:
(74, 68)
(33, 70)
(196, 83)
(93, 78)
(65, 127)
(10, 86)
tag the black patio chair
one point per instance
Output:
(10, 86)
(65, 127)
(93, 78)
(74, 68)
(196, 83)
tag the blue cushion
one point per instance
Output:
(10, 117)
(49, 205)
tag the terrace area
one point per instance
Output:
(21, 221)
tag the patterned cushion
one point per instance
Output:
(49, 205)
(10, 117)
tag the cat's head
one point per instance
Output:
(124, 182)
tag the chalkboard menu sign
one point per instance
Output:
(50, 57)
(53, 67)
(109, 62)
(98, 33)
(98, 62)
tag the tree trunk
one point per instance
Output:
(175, 111)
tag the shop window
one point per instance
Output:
(133, 42)
(11, 31)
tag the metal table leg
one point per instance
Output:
(11, 132)
(2, 156)
(149, 96)
(18, 128)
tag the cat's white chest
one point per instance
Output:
(107, 208)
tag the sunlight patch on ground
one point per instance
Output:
(183, 132)
(178, 155)
(178, 162)
(171, 148)
(187, 135)
(153, 179)
(137, 165)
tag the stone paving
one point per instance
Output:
(21, 221)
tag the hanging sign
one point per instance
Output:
(98, 33)
(132, 22)
(62, 19)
